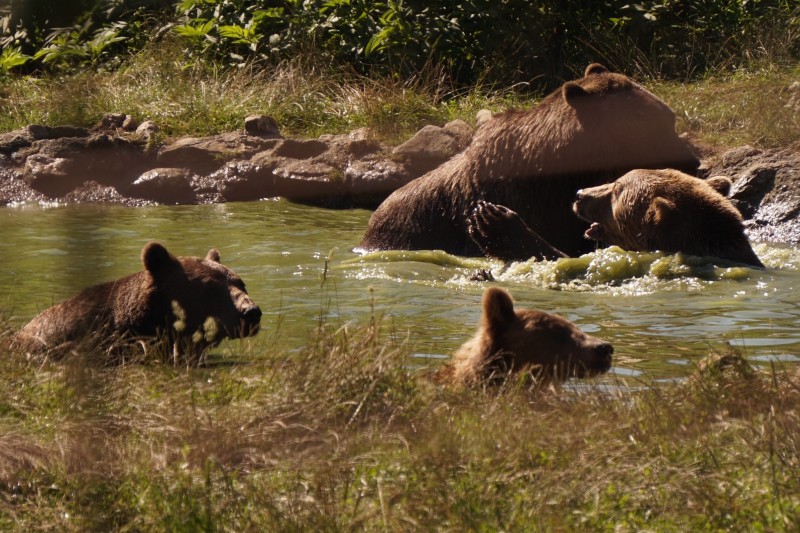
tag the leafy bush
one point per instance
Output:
(495, 41)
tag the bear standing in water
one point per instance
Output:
(191, 303)
(589, 132)
(525, 340)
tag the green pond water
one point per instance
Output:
(662, 313)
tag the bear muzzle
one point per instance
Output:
(250, 321)
(604, 351)
(597, 361)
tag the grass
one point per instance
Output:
(309, 99)
(748, 107)
(306, 99)
(344, 435)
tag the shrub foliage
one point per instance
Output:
(502, 41)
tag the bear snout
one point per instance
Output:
(603, 352)
(578, 204)
(251, 319)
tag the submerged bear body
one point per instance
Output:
(589, 132)
(189, 302)
(525, 340)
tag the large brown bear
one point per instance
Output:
(188, 302)
(523, 340)
(589, 132)
(666, 210)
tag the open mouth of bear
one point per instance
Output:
(595, 232)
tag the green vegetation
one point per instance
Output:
(345, 434)
(198, 67)
(309, 99)
(506, 41)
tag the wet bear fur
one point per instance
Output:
(512, 340)
(588, 132)
(189, 303)
(666, 210)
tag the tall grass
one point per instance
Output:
(309, 98)
(344, 434)
(306, 97)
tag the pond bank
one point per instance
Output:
(120, 161)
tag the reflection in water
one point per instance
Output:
(662, 312)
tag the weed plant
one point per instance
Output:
(344, 434)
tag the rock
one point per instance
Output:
(165, 186)
(261, 126)
(300, 149)
(739, 156)
(50, 175)
(56, 166)
(93, 192)
(331, 192)
(427, 149)
(750, 189)
(147, 129)
(38, 132)
(130, 123)
(243, 181)
(204, 155)
(482, 116)
(111, 121)
(13, 189)
(372, 181)
(460, 131)
(767, 191)
(13, 141)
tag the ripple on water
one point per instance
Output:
(662, 312)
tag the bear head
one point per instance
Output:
(648, 210)
(522, 340)
(206, 301)
(624, 125)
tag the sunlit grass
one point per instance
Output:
(732, 110)
(309, 99)
(344, 434)
(306, 99)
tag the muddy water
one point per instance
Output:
(663, 313)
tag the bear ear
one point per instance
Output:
(659, 211)
(721, 184)
(498, 307)
(595, 68)
(156, 258)
(213, 255)
(571, 90)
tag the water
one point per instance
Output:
(663, 313)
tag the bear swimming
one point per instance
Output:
(522, 340)
(189, 302)
(589, 132)
(666, 210)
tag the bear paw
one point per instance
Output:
(493, 227)
(501, 233)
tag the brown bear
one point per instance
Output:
(190, 303)
(525, 340)
(590, 131)
(666, 210)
